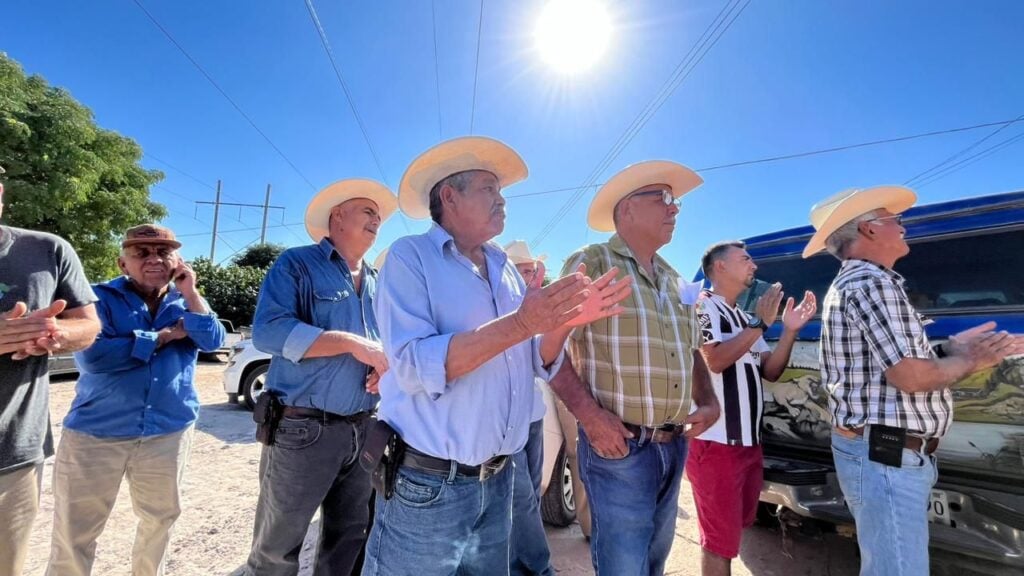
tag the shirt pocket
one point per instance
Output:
(331, 308)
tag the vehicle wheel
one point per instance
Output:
(767, 515)
(557, 505)
(252, 384)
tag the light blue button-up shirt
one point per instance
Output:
(429, 292)
(309, 290)
(128, 387)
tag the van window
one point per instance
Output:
(954, 274)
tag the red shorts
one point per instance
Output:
(726, 483)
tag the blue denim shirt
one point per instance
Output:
(428, 293)
(128, 388)
(307, 291)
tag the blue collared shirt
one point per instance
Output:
(428, 293)
(307, 291)
(128, 387)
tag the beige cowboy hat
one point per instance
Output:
(831, 213)
(318, 211)
(519, 253)
(456, 155)
(678, 177)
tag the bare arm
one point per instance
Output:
(720, 355)
(605, 431)
(78, 328)
(969, 351)
(337, 342)
(774, 363)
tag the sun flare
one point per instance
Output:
(572, 34)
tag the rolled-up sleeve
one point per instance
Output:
(546, 373)
(416, 351)
(278, 328)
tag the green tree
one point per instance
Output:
(230, 290)
(259, 255)
(66, 175)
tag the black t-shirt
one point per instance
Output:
(35, 268)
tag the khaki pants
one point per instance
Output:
(87, 475)
(19, 502)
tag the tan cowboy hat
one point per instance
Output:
(378, 262)
(678, 177)
(456, 155)
(519, 253)
(319, 210)
(831, 213)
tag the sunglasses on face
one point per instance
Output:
(898, 219)
(666, 197)
(144, 253)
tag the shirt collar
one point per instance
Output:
(329, 251)
(123, 284)
(869, 266)
(441, 239)
(619, 246)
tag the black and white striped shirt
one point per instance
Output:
(867, 326)
(738, 387)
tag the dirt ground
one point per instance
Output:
(214, 533)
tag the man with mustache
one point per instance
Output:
(46, 306)
(465, 336)
(315, 316)
(635, 377)
(888, 388)
(135, 406)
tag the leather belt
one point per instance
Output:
(914, 443)
(660, 435)
(425, 463)
(297, 412)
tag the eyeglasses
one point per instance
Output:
(144, 253)
(898, 218)
(666, 197)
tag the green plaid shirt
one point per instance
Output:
(638, 364)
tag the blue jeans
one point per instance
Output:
(443, 525)
(633, 505)
(529, 554)
(889, 505)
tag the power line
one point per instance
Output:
(249, 229)
(938, 167)
(970, 160)
(223, 93)
(476, 68)
(182, 172)
(348, 96)
(707, 40)
(437, 75)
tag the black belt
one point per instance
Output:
(660, 435)
(297, 412)
(914, 443)
(425, 463)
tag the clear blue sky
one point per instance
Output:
(788, 76)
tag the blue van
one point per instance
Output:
(966, 266)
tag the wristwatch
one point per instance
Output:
(756, 322)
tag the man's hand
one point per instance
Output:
(171, 333)
(551, 307)
(768, 304)
(18, 331)
(370, 353)
(794, 318)
(54, 336)
(373, 382)
(704, 417)
(606, 433)
(605, 294)
(184, 278)
(984, 347)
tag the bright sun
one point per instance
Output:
(572, 34)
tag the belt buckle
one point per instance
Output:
(491, 467)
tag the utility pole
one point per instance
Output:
(216, 215)
(266, 211)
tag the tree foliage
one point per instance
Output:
(66, 175)
(259, 255)
(230, 290)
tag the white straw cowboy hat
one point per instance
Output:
(831, 213)
(318, 212)
(680, 178)
(519, 253)
(456, 155)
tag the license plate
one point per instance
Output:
(938, 507)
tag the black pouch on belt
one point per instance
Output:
(267, 414)
(885, 445)
(381, 455)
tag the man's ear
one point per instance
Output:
(865, 228)
(121, 265)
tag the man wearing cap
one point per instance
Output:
(529, 545)
(639, 375)
(315, 316)
(888, 387)
(46, 306)
(135, 405)
(465, 337)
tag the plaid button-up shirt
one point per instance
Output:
(638, 364)
(868, 325)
